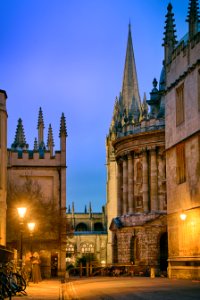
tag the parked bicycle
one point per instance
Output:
(11, 282)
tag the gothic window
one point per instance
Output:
(87, 248)
(180, 163)
(115, 250)
(180, 112)
(198, 90)
(70, 248)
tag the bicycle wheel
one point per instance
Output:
(20, 281)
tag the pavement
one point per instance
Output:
(51, 289)
(111, 288)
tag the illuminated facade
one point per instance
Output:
(87, 235)
(182, 63)
(136, 181)
(43, 172)
(3, 166)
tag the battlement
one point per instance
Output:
(33, 158)
(143, 126)
(184, 59)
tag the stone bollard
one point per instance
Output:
(152, 272)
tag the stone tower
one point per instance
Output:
(42, 170)
(136, 195)
(3, 166)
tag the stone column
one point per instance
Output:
(145, 182)
(125, 186)
(130, 184)
(154, 180)
(119, 188)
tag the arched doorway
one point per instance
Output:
(163, 252)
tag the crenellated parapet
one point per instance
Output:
(33, 158)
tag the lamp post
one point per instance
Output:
(31, 227)
(21, 212)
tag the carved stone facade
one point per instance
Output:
(45, 168)
(87, 235)
(136, 180)
(183, 146)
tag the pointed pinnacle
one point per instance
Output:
(40, 119)
(63, 127)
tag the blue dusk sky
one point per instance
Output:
(68, 56)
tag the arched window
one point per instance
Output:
(87, 248)
(115, 249)
(81, 227)
(98, 226)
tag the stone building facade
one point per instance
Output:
(182, 63)
(136, 180)
(3, 166)
(44, 170)
(87, 235)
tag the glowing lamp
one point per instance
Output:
(21, 211)
(183, 216)
(31, 226)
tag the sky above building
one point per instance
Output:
(68, 56)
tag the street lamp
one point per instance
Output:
(31, 227)
(183, 216)
(21, 212)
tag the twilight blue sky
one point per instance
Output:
(68, 56)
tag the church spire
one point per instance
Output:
(40, 128)
(50, 140)
(169, 34)
(20, 140)
(193, 18)
(130, 90)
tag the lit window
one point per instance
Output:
(87, 248)
(180, 105)
(70, 248)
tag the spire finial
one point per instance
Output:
(193, 17)
(40, 128)
(63, 127)
(20, 140)
(50, 140)
(169, 34)
(40, 119)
